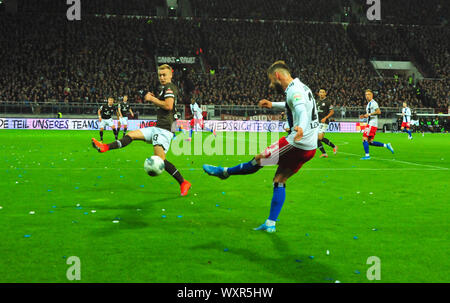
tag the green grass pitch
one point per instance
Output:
(395, 207)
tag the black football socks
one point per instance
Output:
(120, 143)
(320, 146)
(328, 142)
(173, 171)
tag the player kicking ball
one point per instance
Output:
(290, 152)
(372, 111)
(161, 134)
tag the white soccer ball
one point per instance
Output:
(154, 166)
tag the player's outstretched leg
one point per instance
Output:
(322, 149)
(241, 169)
(101, 147)
(379, 144)
(125, 129)
(329, 143)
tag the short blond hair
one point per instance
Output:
(165, 66)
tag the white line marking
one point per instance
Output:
(394, 160)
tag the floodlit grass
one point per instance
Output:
(395, 207)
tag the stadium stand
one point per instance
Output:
(51, 60)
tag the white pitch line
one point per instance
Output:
(400, 161)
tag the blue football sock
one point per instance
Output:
(244, 168)
(375, 143)
(190, 133)
(279, 195)
(409, 133)
(366, 147)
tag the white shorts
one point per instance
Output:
(123, 121)
(322, 128)
(106, 122)
(157, 136)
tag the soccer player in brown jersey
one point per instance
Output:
(326, 110)
(161, 134)
(105, 113)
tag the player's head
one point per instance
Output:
(164, 74)
(278, 73)
(125, 98)
(110, 101)
(322, 93)
(369, 95)
(405, 105)
(193, 100)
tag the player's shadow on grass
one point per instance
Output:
(293, 266)
(130, 216)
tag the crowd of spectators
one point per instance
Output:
(323, 57)
(182, 37)
(114, 7)
(432, 43)
(305, 10)
(430, 12)
(52, 60)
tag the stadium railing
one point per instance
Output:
(146, 110)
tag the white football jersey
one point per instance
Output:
(297, 92)
(371, 107)
(407, 114)
(196, 111)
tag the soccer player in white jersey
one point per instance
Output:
(290, 152)
(197, 118)
(372, 111)
(406, 113)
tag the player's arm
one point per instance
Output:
(167, 104)
(119, 112)
(376, 112)
(99, 114)
(331, 113)
(131, 112)
(268, 104)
